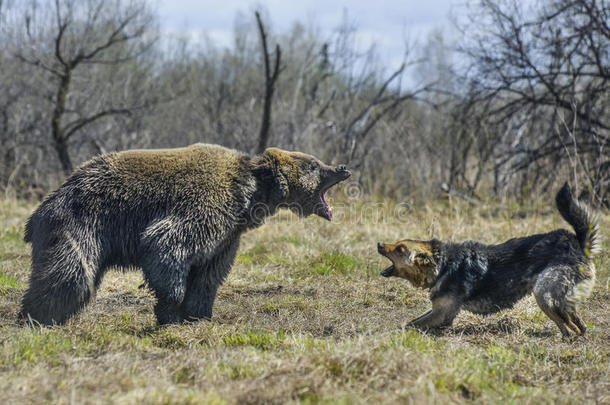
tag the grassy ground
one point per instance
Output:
(305, 317)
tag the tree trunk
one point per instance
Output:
(60, 143)
(270, 80)
(263, 138)
(61, 146)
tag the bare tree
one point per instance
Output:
(550, 64)
(271, 77)
(384, 102)
(69, 40)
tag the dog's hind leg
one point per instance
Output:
(578, 322)
(549, 311)
(568, 321)
(444, 310)
(550, 291)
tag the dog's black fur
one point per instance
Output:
(485, 279)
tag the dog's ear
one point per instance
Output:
(427, 266)
(422, 259)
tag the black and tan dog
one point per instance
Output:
(485, 279)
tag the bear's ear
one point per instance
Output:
(282, 159)
(273, 152)
(268, 169)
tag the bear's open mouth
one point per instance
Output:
(330, 179)
(328, 210)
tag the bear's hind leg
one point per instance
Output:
(62, 280)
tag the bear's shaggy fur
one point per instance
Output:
(176, 213)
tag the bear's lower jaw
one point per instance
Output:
(325, 210)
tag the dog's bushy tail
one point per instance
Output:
(585, 224)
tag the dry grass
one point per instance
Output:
(304, 317)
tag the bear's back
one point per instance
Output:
(199, 176)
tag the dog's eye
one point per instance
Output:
(314, 166)
(400, 249)
(423, 258)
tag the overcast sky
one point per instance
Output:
(386, 22)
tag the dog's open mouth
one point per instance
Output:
(389, 272)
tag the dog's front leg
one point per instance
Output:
(432, 320)
(444, 310)
(419, 318)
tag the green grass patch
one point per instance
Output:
(497, 370)
(255, 255)
(184, 374)
(350, 367)
(293, 239)
(156, 396)
(333, 263)
(38, 346)
(260, 254)
(310, 398)
(259, 339)
(9, 282)
(236, 370)
(169, 338)
(245, 259)
(290, 305)
(13, 235)
(416, 341)
(105, 336)
(538, 317)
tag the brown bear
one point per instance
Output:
(176, 213)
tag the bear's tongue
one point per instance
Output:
(326, 206)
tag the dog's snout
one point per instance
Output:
(380, 248)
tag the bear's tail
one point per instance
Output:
(585, 223)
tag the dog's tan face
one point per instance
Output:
(413, 260)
